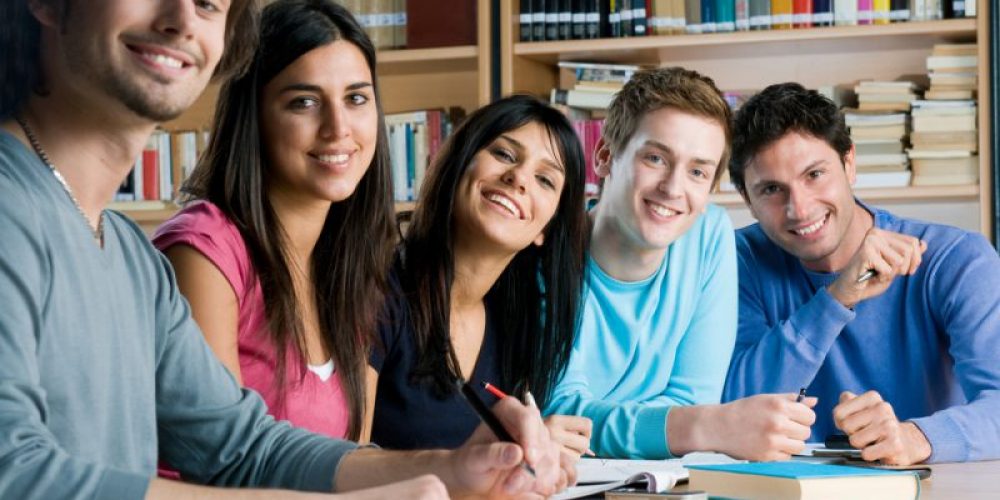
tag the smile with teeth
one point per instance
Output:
(812, 228)
(162, 60)
(661, 210)
(337, 158)
(504, 202)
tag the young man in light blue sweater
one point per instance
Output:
(659, 319)
(102, 369)
(893, 323)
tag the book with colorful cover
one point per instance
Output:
(803, 480)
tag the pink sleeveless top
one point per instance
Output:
(311, 403)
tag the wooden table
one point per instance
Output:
(962, 481)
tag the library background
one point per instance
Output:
(917, 80)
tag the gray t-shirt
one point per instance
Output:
(102, 369)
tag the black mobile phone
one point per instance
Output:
(838, 442)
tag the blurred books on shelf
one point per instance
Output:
(879, 137)
(414, 140)
(550, 20)
(160, 170)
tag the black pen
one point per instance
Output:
(801, 396)
(487, 416)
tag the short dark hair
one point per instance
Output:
(20, 42)
(653, 89)
(774, 112)
(535, 302)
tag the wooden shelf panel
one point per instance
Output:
(914, 194)
(387, 57)
(654, 49)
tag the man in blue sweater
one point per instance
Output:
(659, 320)
(102, 369)
(893, 323)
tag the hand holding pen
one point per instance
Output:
(516, 436)
(881, 257)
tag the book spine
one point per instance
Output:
(880, 11)
(640, 19)
(822, 13)
(565, 19)
(845, 12)
(725, 16)
(579, 30)
(802, 13)
(537, 20)
(708, 16)
(524, 20)
(552, 19)
(865, 12)
(593, 27)
(781, 14)
(742, 15)
(760, 14)
(899, 11)
(692, 16)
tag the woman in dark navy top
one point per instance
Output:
(488, 278)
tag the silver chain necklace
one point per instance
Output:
(97, 232)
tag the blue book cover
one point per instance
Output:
(797, 470)
(725, 15)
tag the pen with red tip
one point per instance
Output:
(528, 400)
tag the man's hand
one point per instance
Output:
(485, 466)
(572, 434)
(887, 253)
(873, 428)
(763, 427)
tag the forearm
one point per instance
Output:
(626, 429)
(692, 428)
(370, 467)
(173, 490)
(801, 342)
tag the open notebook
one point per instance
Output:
(597, 475)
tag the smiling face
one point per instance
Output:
(511, 191)
(659, 184)
(319, 124)
(800, 191)
(154, 57)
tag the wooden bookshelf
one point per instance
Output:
(409, 80)
(815, 57)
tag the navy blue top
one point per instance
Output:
(407, 413)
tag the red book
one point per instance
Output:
(802, 11)
(150, 174)
(440, 23)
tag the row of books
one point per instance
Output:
(397, 24)
(542, 20)
(167, 159)
(414, 140)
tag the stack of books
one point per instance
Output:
(953, 71)
(166, 161)
(945, 143)
(886, 96)
(590, 86)
(879, 137)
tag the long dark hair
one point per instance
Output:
(535, 301)
(20, 56)
(353, 253)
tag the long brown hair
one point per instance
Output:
(352, 255)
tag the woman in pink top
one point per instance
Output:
(284, 251)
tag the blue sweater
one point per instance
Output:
(644, 347)
(930, 345)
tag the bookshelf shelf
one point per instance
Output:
(914, 194)
(817, 57)
(652, 49)
(428, 56)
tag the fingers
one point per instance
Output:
(524, 424)
(571, 433)
(850, 404)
